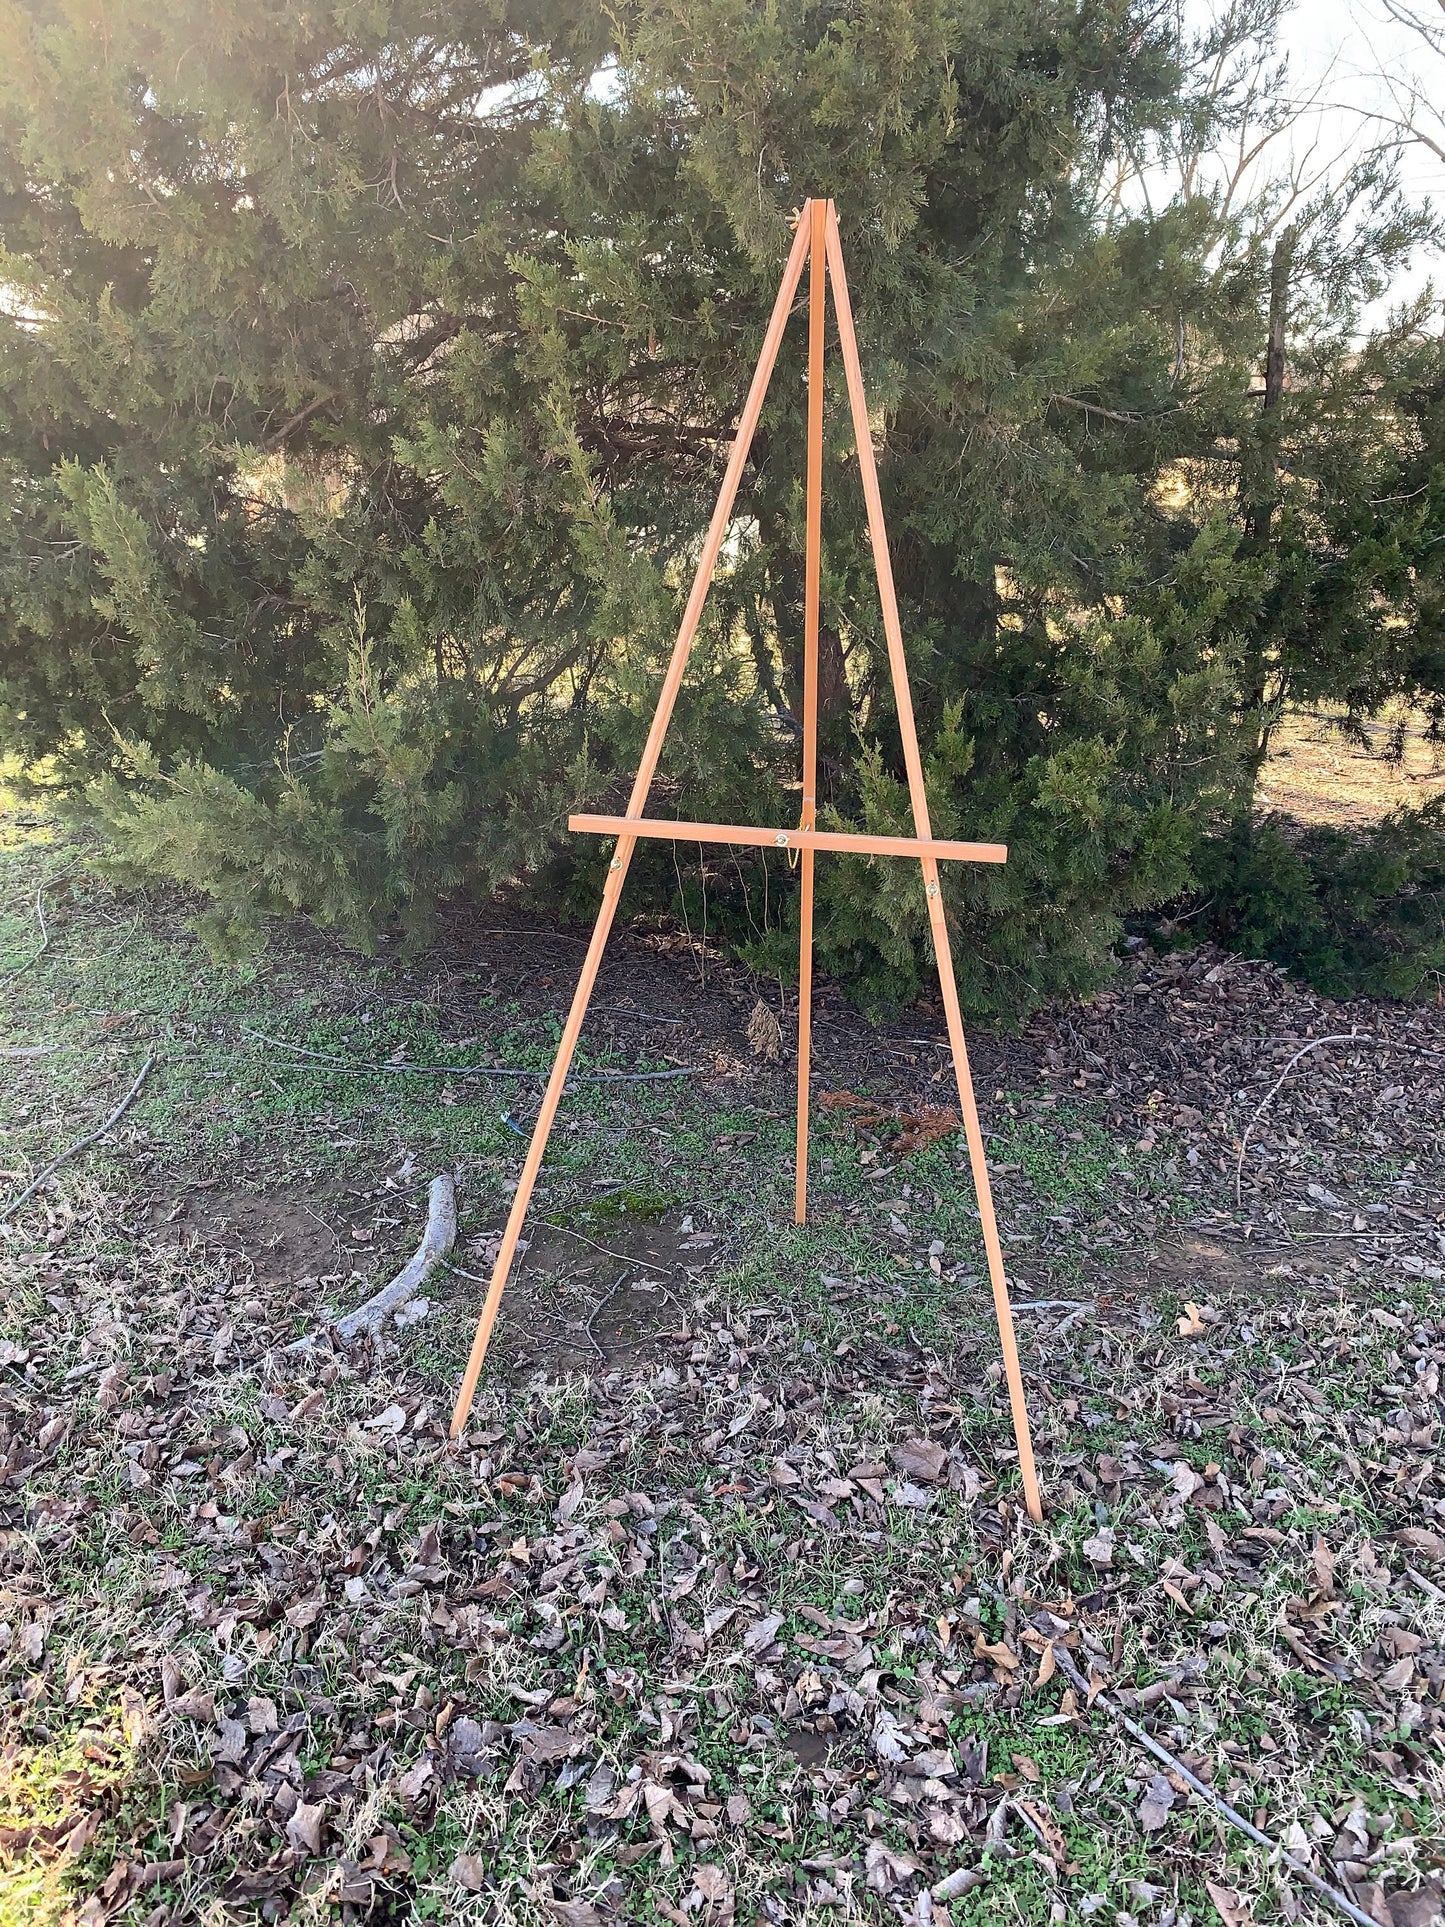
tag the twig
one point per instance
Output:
(1318, 1043)
(1207, 1793)
(80, 1144)
(351, 1067)
(581, 1236)
(548, 936)
(30, 1050)
(437, 1240)
(470, 1276)
(1096, 408)
(642, 1016)
(1053, 1304)
(1315, 1043)
(606, 1298)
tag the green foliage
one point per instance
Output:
(365, 381)
(1357, 915)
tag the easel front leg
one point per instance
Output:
(812, 583)
(805, 1032)
(978, 1162)
(541, 1131)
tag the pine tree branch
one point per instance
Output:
(299, 419)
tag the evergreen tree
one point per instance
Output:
(367, 377)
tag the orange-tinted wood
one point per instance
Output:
(852, 842)
(812, 574)
(929, 851)
(937, 921)
(617, 873)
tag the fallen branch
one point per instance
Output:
(355, 1069)
(1206, 1793)
(80, 1144)
(437, 1240)
(29, 1050)
(1316, 1043)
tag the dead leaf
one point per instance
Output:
(947, 1827)
(548, 1744)
(194, 1706)
(134, 1719)
(1184, 1479)
(1324, 1564)
(1099, 1551)
(1191, 1325)
(1154, 1808)
(997, 1651)
(712, 1883)
(303, 1829)
(888, 1867)
(762, 1633)
(412, 1784)
(923, 1459)
(1420, 1539)
(574, 1913)
(1421, 1908)
(1232, 1910)
(469, 1871)
(357, 1888)
(1049, 1831)
(81, 1835)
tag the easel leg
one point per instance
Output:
(978, 1161)
(918, 796)
(805, 1032)
(541, 1131)
(622, 856)
(817, 270)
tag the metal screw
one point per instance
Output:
(615, 864)
(932, 890)
(781, 839)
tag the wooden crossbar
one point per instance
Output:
(853, 842)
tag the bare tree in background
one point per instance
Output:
(1411, 112)
(1261, 145)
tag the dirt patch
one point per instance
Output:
(1318, 775)
(1214, 1270)
(280, 1237)
(810, 1747)
(579, 1302)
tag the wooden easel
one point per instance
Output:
(817, 242)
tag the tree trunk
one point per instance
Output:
(1261, 482)
(1259, 518)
